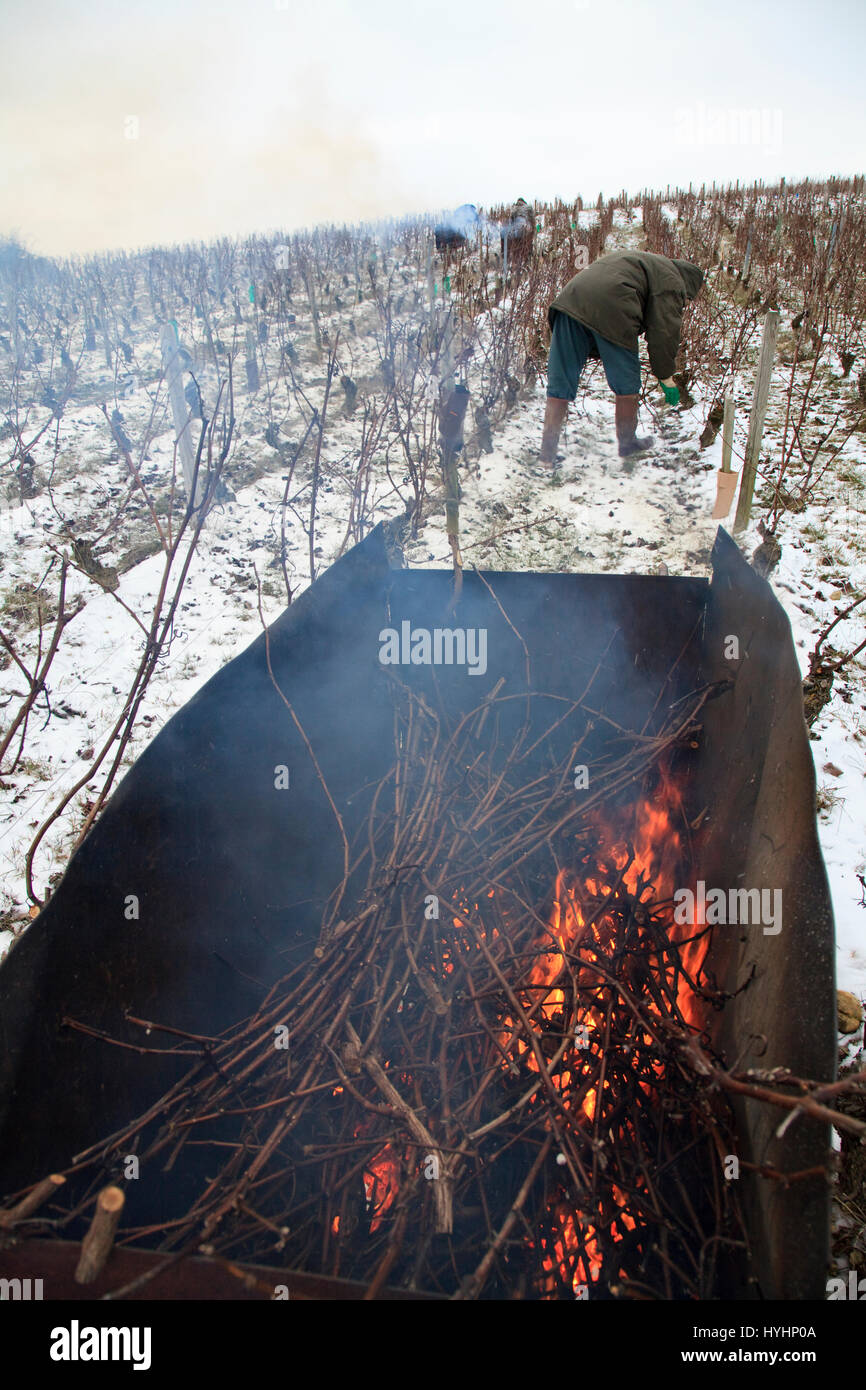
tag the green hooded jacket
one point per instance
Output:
(627, 293)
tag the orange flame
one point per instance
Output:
(381, 1185)
(577, 914)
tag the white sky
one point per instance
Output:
(255, 115)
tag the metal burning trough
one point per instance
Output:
(360, 871)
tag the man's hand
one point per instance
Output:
(672, 395)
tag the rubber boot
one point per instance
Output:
(554, 419)
(626, 427)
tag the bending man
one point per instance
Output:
(601, 313)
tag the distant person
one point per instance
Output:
(518, 232)
(601, 313)
(457, 228)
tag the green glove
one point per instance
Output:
(672, 395)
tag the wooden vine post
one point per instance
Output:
(309, 283)
(451, 417)
(173, 366)
(756, 422)
(431, 282)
